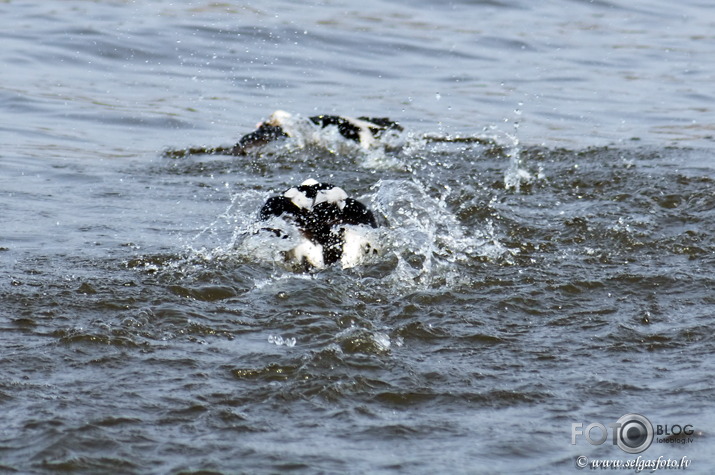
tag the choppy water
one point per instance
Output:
(558, 271)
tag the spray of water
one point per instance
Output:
(516, 174)
(425, 237)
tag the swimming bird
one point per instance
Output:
(332, 226)
(365, 131)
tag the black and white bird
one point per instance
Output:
(332, 226)
(365, 131)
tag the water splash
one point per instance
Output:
(516, 173)
(220, 237)
(280, 341)
(355, 339)
(423, 243)
(305, 135)
(426, 238)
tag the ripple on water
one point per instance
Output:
(485, 301)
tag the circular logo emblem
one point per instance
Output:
(635, 433)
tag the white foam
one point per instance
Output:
(280, 341)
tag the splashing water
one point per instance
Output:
(422, 241)
(305, 135)
(280, 341)
(516, 174)
(426, 238)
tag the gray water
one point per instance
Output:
(558, 270)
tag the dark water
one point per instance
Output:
(559, 272)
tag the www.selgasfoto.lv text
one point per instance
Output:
(638, 464)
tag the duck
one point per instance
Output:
(365, 131)
(332, 227)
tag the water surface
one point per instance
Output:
(557, 271)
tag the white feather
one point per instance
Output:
(366, 138)
(279, 118)
(359, 244)
(309, 252)
(335, 195)
(298, 198)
